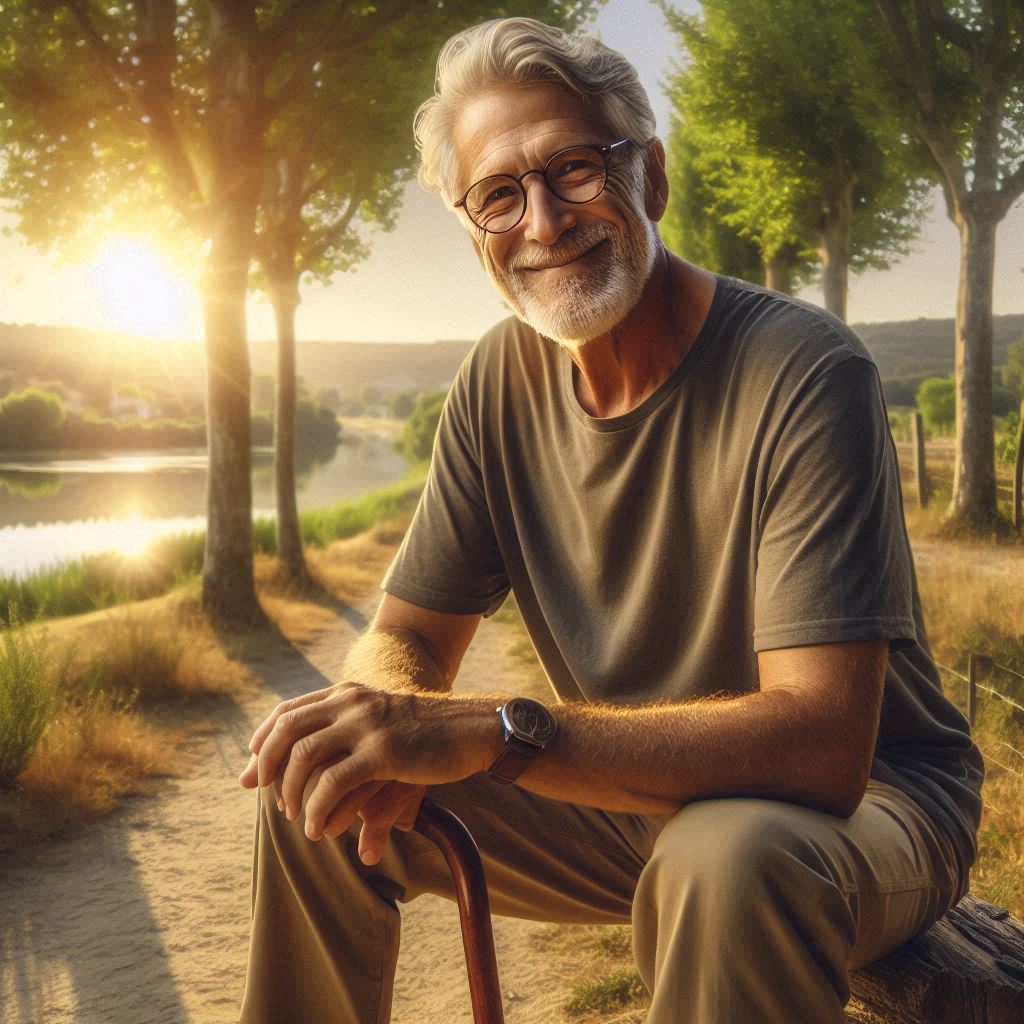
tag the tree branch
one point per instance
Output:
(332, 46)
(329, 235)
(109, 65)
(150, 105)
(946, 25)
(920, 80)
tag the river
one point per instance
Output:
(60, 508)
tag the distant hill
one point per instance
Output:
(914, 347)
(93, 362)
(350, 365)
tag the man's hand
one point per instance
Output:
(347, 750)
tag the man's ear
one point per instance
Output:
(656, 188)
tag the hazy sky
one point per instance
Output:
(422, 280)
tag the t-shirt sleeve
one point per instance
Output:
(449, 559)
(833, 560)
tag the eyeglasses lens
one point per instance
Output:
(496, 204)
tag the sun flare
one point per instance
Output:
(138, 293)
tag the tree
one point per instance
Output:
(936, 401)
(956, 70)
(799, 154)
(692, 226)
(171, 111)
(30, 419)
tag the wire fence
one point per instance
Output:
(974, 685)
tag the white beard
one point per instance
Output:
(574, 309)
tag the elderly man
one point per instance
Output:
(689, 485)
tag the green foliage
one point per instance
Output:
(102, 580)
(618, 990)
(693, 225)
(320, 527)
(31, 419)
(899, 424)
(28, 696)
(936, 401)
(1012, 371)
(777, 118)
(417, 440)
(1007, 439)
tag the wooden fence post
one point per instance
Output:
(1018, 473)
(972, 689)
(920, 470)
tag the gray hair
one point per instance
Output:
(521, 51)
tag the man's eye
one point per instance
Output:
(577, 168)
(501, 194)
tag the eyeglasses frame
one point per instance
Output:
(605, 152)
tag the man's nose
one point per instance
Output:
(547, 217)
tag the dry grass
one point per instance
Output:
(974, 602)
(124, 674)
(90, 757)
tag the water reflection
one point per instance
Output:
(55, 509)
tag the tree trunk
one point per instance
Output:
(289, 539)
(229, 591)
(835, 246)
(778, 272)
(974, 477)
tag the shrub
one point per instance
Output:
(31, 418)
(417, 440)
(28, 698)
(936, 398)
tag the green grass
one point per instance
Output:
(619, 990)
(108, 579)
(28, 698)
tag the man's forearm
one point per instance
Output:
(655, 759)
(394, 660)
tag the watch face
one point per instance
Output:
(531, 720)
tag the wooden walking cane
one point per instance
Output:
(463, 858)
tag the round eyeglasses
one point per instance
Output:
(575, 175)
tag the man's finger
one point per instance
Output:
(264, 728)
(335, 782)
(294, 726)
(394, 805)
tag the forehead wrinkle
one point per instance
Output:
(505, 127)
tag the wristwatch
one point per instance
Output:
(528, 727)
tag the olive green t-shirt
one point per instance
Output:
(751, 502)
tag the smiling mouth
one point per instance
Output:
(568, 262)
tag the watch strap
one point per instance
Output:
(512, 762)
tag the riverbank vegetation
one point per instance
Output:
(111, 578)
(36, 419)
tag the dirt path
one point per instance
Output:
(144, 917)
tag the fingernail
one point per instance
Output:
(280, 804)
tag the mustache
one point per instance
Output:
(573, 244)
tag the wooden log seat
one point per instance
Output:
(968, 968)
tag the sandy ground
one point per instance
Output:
(143, 918)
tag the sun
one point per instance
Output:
(137, 292)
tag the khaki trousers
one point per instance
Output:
(744, 911)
